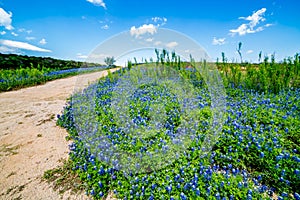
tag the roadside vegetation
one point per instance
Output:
(256, 156)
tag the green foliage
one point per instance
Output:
(64, 178)
(109, 61)
(23, 71)
(266, 77)
(13, 61)
(129, 65)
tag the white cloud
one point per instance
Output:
(5, 49)
(146, 28)
(22, 45)
(22, 30)
(30, 38)
(80, 56)
(249, 51)
(2, 33)
(157, 43)
(171, 44)
(98, 3)
(160, 21)
(5, 19)
(14, 34)
(254, 20)
(219, 41)
(97, 56)
(241, 30)
(268, 25)
(149, 39)
(43, 41)
(105, 27)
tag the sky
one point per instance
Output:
(74, 30)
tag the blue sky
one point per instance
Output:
(73, 29)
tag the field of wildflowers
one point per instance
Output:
(154, 148)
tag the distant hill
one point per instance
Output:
(13, 61)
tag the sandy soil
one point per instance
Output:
(30, 141)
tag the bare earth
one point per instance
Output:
(30, 141)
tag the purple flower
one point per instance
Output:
(218, 196)
(240, 185)
(101, 194)
(182, 196)
(259, 177)
(100, 184)
(286, 130)
(284, 194)
(169, 188)
(197, 192)
(297, 196)
(92, 192)
(261, 155)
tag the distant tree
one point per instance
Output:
(239, 51)
(157, 56)
(109, 61)
(259, 56)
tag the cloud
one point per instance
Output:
(22, 45)
(98, 3)
(149, 39)
(160, 21)
(22, 30)
(219, 41)
(14, 34)
(2, 33)
(5, 49)
(171, 44)
(5, 19)
(80, 56)
(43, 41)
(249, 51)
(146, 28)
(254, 20)
(268, 25)
(105, 27)
(30, 38)
(157, 43)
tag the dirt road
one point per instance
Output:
(30, 141)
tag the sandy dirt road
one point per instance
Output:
(30, 141)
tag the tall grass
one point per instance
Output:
(267, 76)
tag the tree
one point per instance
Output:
(259, 56)
(109, 61)
(239, 51)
